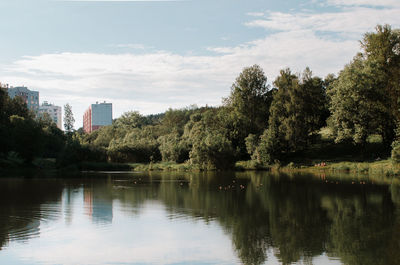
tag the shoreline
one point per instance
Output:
(382, 167)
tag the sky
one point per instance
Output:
(148, 55)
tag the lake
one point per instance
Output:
(199, 218)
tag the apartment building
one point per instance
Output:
(97, 116)
(30, 97)
(55, 112)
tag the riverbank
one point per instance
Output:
(383, 167)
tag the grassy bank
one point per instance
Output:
(382, 167)
(378, 168)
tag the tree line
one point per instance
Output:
(262, 121)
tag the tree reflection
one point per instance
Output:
(295, 217)
(24, 203)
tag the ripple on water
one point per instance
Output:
(26, 224)
(22, 228)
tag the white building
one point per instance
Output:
(53, 111)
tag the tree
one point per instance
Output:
(297, 112)
(8, 131)
(68, 118)
(138, 145)
(26, 137)
(382, 50)
(396, 147)
(248, 105)
(365, 95)
(173, 148)
(130, 120)
(210, 146)
(357, 104)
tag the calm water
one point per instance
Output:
(218, 218)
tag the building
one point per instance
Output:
(31, 98)
(98, 203)
(96, 116)
(55, 112)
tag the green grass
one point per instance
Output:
(382, 168)
(163, 166)
(250, 165)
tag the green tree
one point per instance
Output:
(12, 128)
(26, 137)
(130, 120)
(396, 146)
(248, 105)
(358, 105)
(53, 139)
(173, 148)
(382, 50)
(210, 145)
(174, 120)
(298, 110)
(68, 118)
(138, 145)
(365, 95)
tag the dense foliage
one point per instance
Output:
(257, 121)
(22, 137)
(365, 95)
(296, 113)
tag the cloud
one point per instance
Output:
(350, 23)
(255, 14)
(149, 238)
(386, 3)
(152, 81)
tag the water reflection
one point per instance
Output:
(268, 218)
(98, 202)
(20, 217)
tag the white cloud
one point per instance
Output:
(153, 81)
(350, 22)
(148, 238)
(255, 14)
(387, 3)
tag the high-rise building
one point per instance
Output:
(96, 116)
(31, 98)
(55, 112)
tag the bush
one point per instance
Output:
(173, 148)
(214, 151)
